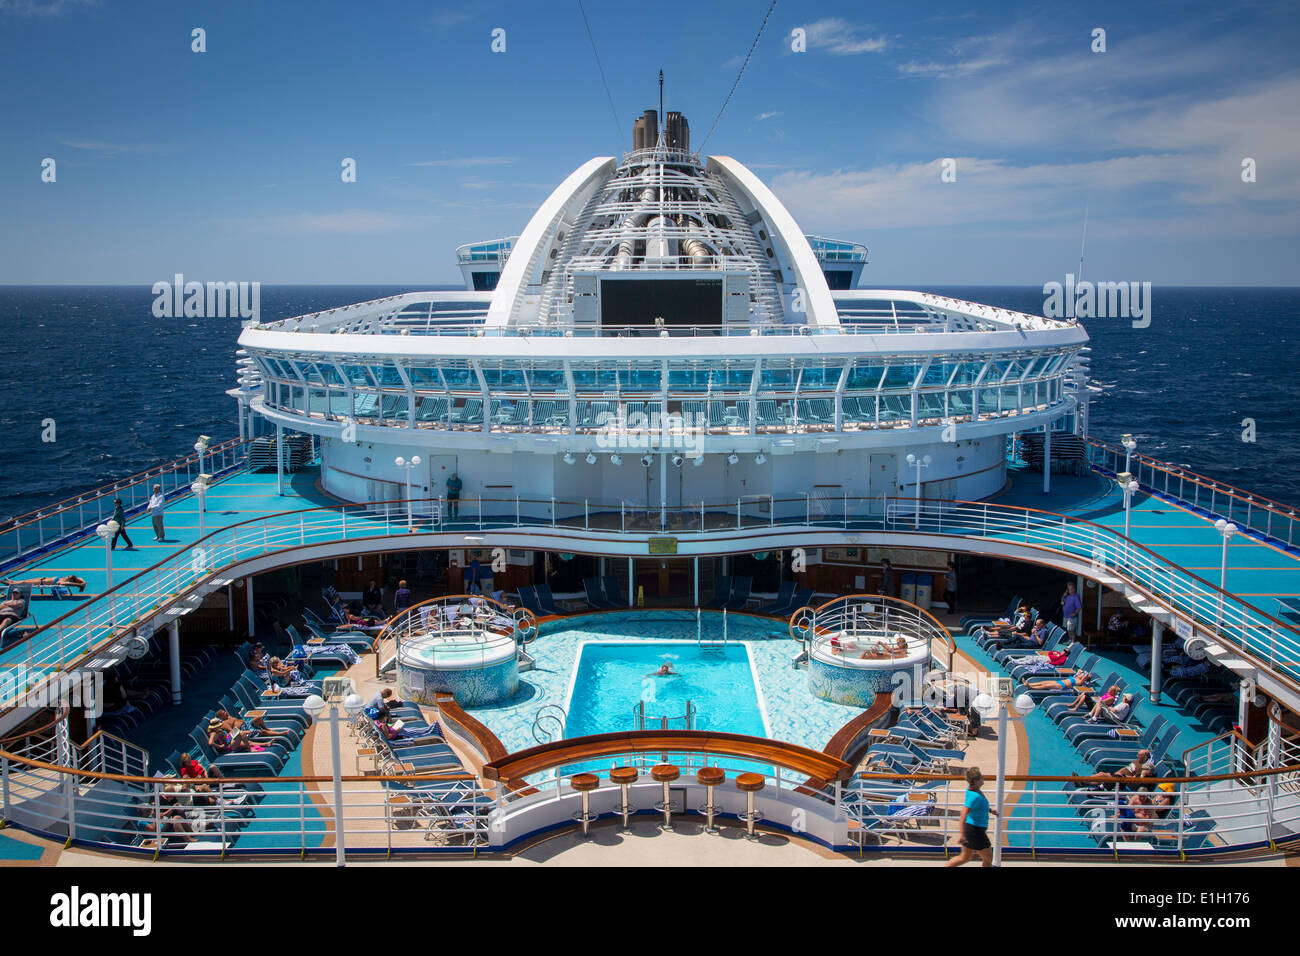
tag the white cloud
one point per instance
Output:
(462, 162)
(767, 115)
(841, 38)
(340, 221)
(42, 8)
(100, 146)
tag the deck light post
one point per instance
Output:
(106, 532)
(1130, 487)
(413, 462)
(1130, 446)
(315, 705)
(1226, 530)
(201, 446)
(1006, 709)
(200, 490)
(922, 462)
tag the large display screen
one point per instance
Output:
(680, 302)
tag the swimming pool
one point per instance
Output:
(611, 678)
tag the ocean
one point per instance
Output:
(128, 391)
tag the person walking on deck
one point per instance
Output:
(454, 484)
(119, 515)
(156, 502)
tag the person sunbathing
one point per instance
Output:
(1085, 700)
(1114, 710)
(1005, 630)
(1079, 678)
(12, 611)
(66, 581)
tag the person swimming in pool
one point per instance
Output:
(665, 670)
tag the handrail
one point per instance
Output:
(1262, 501)
(1237, 623)
(67, 504)
(937, 630)
(533, 760)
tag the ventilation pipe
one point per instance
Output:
(693, 247)
(625, 247)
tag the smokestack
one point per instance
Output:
(678, 132)
(645, 131)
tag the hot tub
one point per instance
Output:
(477, 668)
(852, 669)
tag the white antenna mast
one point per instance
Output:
(1084, 242)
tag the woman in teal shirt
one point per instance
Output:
(975, 822)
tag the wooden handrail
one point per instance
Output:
(558, 753)
(488, 743)
(848, 737)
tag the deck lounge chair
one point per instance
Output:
(613, 590)
(547, 600)
(781, 604)
(528, 598)
(596, 595)
(721, 592)
(740, 589)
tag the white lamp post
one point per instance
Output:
(315, 705)
(106, 531)
(201, 446)
(201, 492)
(414, 462)
(1129, 447)
(922, 462)
(1226, 530)
(1130, 488)
(988, 705)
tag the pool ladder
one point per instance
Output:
(552, 716)
(699, 631)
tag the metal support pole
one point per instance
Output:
(248, 597)
(697, 582)
(1047, 458)
(279, 459)
(1157, 636)
(631, 584)
(340, 854)
(174, 652)
(1002, 782)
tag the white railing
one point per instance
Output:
(66, 520)
(1254, 512)
(177, 584)
(424, 812)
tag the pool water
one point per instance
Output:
(612, 677)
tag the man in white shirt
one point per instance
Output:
(156, 501)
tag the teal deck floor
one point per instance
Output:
(1050, 754)
(1258, 573)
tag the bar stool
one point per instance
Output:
(665, 773)
(624, 777)
(584, 783)
(749, 784)
(710, 777)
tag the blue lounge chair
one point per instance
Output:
(547, 600)
(781, 605)
(596, 595)
(721, 592)
(613, 590)
(740, 589)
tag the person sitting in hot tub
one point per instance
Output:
(1079, 678)
(900, 646)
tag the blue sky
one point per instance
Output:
(225, 165)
